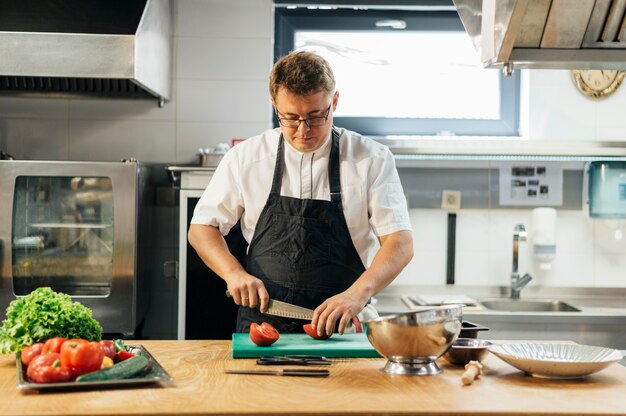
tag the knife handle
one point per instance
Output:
(305, 373)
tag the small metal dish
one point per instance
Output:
(464, 350)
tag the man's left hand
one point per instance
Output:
(341, 308)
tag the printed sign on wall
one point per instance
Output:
(532, 184)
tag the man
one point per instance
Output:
(314, 203)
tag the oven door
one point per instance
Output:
(70, 226)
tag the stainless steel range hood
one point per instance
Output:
(111, 48)
(547, 34)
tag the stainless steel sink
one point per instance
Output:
(528, 305)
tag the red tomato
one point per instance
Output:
(81, 356)
(264, 334)
(313, 333)
(108, 347)
(47, 368)
(53, 345)
(30, 352)
(122, 355)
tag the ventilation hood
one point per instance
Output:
(109, 48)
(547, 34)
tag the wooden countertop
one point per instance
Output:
(355, 386)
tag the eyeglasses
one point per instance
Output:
(294, 123)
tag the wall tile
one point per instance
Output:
(471, 268)
(609, 237)
(224, 58)
(568, 270)
(472, 247)
(561, 112)
(123, 109)
(428, 265)
(223, 101)
(428, 230)
(574, 233)
(224, 18)
(426, 268)
(610, 270)
(608, 133)
(108, 140)
(53, 108)
(35, 139)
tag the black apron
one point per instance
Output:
(301, 248)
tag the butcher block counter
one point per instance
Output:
(355, 386)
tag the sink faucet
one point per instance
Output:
(517, 282)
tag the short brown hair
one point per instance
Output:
(302, 73)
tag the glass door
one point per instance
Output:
(62, 234)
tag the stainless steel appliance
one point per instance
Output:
(75, 227)
(547, 34)
(84, 48)
(204, 311)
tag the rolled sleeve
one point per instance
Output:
(387, 204)
(221, 204)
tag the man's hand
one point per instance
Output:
(339, 308)
(247, 290)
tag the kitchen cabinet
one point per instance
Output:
(355, 386)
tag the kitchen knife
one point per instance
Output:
(283, 372)
(286, 310)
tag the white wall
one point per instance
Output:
(222, 58)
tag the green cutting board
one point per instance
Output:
(347, 345)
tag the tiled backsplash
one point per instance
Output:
(588, 255)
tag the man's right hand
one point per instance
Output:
(248, 290)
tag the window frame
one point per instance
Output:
(289, 20)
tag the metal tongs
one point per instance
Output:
(294, 360)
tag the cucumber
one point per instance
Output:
(125, 369)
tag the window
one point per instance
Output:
(404, 72)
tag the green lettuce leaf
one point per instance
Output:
(45, 314)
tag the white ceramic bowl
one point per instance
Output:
(556, 360)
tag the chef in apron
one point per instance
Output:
(321, 207)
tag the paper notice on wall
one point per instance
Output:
(532, 184)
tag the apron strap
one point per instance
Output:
(333, 169)
(278, 168)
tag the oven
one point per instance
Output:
(78, 228)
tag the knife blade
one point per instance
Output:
(285, 310)
(284, 372)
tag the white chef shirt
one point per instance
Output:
(373, 200)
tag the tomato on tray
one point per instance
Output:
(30, 352)
(53, 345)
(313, 333)
(81, 356)
(109, 348)
(47, 368)
(264, 334)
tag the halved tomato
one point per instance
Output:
(313, 333)
(264, 334)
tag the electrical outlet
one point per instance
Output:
(450, 200)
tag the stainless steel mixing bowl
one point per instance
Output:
(412, 341)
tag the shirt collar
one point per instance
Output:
(324, 148)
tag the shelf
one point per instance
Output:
(68, 225)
